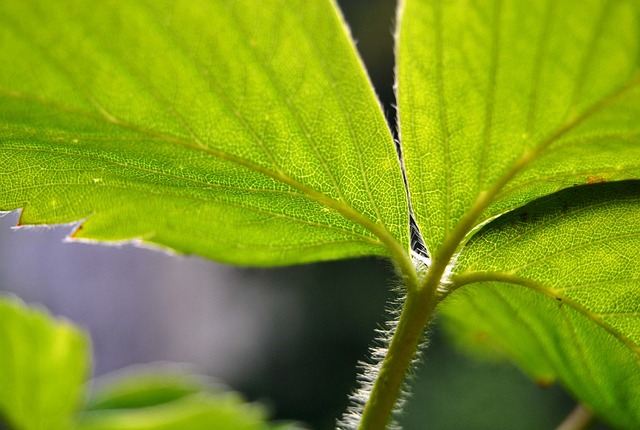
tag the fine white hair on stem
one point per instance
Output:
(446, 284)
(368, 372)
(370, 369)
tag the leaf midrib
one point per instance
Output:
(377, 228)
(360, 237)
(347, 211)
(454, 243)
(554, 294)
(469, 221)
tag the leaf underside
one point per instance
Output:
(209, 127)
(558, 294)
(251, 135)
(532, 96)
(503, 103)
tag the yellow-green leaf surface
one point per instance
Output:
(43, 366)
(243, 131)
(157, 399)
(504, 101)
(559, 293)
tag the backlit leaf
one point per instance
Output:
(504, 101)
(223, 128)
(559, 294)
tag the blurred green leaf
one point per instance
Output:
(43, 366)
(143, 388)
(221, 128)
(160, 400)
(559, 294)
(42, 379)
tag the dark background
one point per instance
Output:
(289, 338)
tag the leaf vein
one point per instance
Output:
(198, 198)
(543, 223)
(294, 113)
(491, 91)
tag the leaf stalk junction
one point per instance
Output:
(422, 299)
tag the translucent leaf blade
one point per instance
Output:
(590, 362)
(508, 101)
(218, 128)
(574, 311)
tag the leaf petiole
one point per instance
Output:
(580, 418)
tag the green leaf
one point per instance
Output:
(43, 367)
(43, 374)
(157, 399)
(559, 294)
(245, 133)
(504, 101)
(145, 388)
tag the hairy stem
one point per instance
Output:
(417, 313)
(580, 418)
(423, 297)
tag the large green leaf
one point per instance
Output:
(43, 366)
(504, 101)
(559, 294)
(223, 128)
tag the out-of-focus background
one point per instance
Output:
(289, 338)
